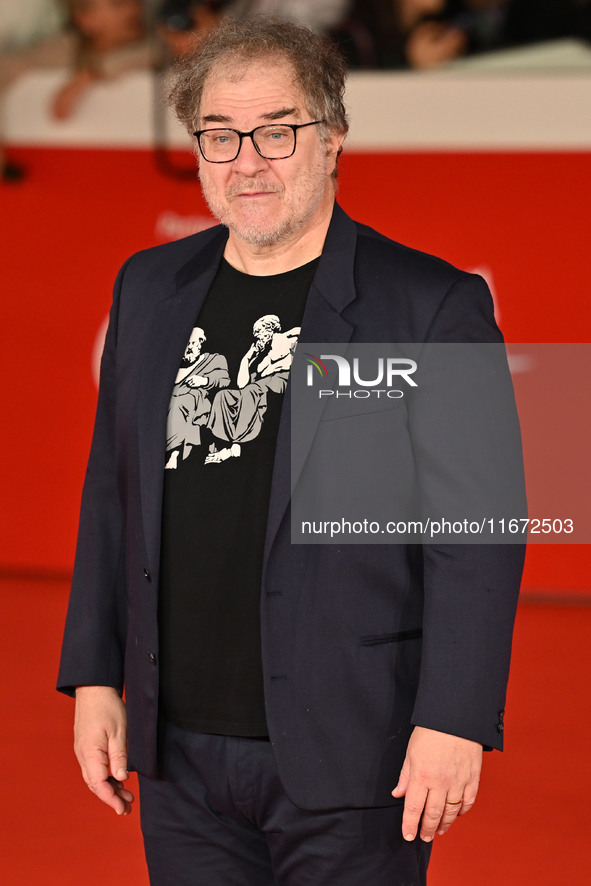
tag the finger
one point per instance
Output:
(95, 772)
(118, 760)
(93, 764)
(109, 794)
(451, 810)
(469, 798)
(126, 796)
(121, 790)
(434, 807)
(414, 804)
(401, 787)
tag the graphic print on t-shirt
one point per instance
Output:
(232, 410)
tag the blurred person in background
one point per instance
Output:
(431, 37)
(22, 25)
(180, 24)
(423, 34)
(482, 21)
(318, 15)
(498, 24)
(104, 39)
(109, 39)
(465, 27)
(419, 34)
(399, 34)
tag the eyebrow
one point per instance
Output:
(272, 115)
(282, 112)
(216, 118)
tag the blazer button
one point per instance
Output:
(152, 657)
(500, 727)
(147, 575)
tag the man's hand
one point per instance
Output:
(100, 744)
(439, 780)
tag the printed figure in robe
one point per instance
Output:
(237, 414)
(190, 404)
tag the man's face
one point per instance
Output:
(193, 349)
(265, 202)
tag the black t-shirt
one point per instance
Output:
(221, 436)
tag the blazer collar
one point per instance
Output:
(204, 263)
(334, 279)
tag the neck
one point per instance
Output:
(297, 249)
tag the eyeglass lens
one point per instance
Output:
(273, 142)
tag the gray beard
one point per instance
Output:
(253, 234)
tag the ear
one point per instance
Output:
(333, 144)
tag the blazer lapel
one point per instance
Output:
(331, 291)
(172, 321)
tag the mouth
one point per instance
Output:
(254, 194)
(251, 190)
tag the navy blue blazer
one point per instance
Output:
(359, 642)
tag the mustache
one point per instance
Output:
(253, 185)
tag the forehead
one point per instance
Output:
(253, 89)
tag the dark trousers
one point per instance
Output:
(219, 816)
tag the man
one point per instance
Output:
(190, 404)
(238, 415)
(297, 713)
(281, 346)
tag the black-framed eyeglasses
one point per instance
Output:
(273, 141)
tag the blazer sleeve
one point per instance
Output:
(470, 590)
(94, 637)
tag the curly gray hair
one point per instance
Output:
(319, 67)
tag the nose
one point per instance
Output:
(249, 161)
